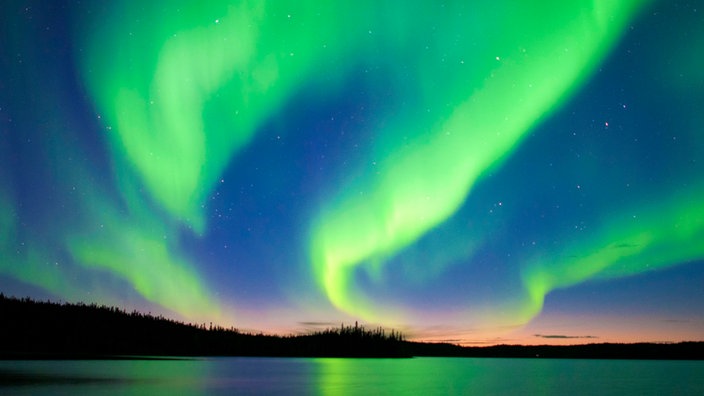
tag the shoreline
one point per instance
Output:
(34, 330)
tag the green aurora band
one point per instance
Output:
(654, 237)
(102, 238)
(549, 51)
(141, 250)
(181, 88)
(183, 95)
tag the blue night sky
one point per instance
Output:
(480, 172)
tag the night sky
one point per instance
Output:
(478, 172)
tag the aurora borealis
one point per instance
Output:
(479, 172)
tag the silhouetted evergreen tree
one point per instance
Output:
(34, 328)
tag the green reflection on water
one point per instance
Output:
(326, 377)
(487, 376)
(397, 376)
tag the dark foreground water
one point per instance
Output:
(420, 376)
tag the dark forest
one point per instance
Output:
(48, 330)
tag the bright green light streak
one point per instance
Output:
(420, 185)
(132, 244)
(162, 132)
(670, 233)
(188, 86)
(151, 268)
(155, 111)
(180, 89)
(140, 251)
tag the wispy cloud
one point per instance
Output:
(563, 336)
(319, 324)
(497, 341)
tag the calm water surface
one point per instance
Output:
(421, 376)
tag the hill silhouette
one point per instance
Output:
(48, 330)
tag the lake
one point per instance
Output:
(327, 376)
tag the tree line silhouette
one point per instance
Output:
(48, 329)
(32, 329)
